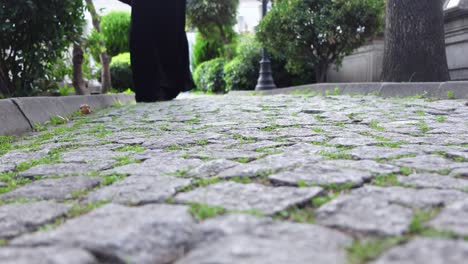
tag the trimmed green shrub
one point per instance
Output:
(206, 48)
(209, 76)
(121, 72)
(243, 71)
(115, 33)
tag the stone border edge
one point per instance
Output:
(445, 90)
(18, 115)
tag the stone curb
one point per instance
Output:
(445, 90)
(18, 115)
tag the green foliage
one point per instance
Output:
(202, 211)
(242, 72)
(65, 90)
(205, 15)
(33, 36)
(6, 144)
(365, 251)
(206, 48)
(209, 76)
(121, 72)
(317, 33)
(115, 28)
(214, 20)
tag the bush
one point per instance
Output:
(121, 72)
(209, 76)
(243, 71)
(33, 36)
(115, 33)
(206, 48)
(317, 33)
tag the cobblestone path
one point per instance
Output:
(244, 180)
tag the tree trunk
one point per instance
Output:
(5, 85)
(321, 72)
(415, 42)
(104, 57)
(78, 80)
(105, 72)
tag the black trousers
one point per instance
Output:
(159, 50)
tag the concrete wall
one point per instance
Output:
(364, 65)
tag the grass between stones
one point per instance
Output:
(199, 183)
(441, 119)
(133, 148)
(340, 154)
(363, 251)
(6, 144)
(75, 210)
(202, 211)
(125, 160)
(305, 213)
(422, 125)
(374, 124)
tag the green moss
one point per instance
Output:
(335, 155)
(174, 147)
(337, 187)
(243, 160)
(423, 126)
(319, 118)
(321, 200)
(420, 113)
(112, 178)
(199, 183)
(365, 251)
(243, 180)
(374, 124)
(318, 130)
(420, 217)
(202, 211)
(386, 180)
(270, 128)
(202, 142)
(406, 171)
(6, 144)
(125, 160)
(296, 214)
(193, 121)
(134, 148)
(58, 120)
(80, 209)
(441, 119)
(450, 95)
(178, 173)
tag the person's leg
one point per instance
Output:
(144, 56)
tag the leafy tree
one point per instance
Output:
(415, 42)
(33, 35)
(98, 47)
(317, 33)
(114, 33)
(213, 14)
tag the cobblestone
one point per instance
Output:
(181, 181)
